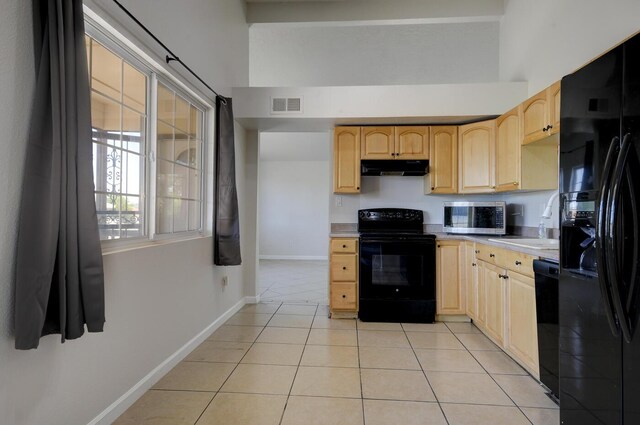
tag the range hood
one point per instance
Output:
(394, 167)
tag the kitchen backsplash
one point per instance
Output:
(523, 210)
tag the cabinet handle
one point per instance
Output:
(518, 263)
(397, 154)
(344, 246)
(477, 251)
(473, 264)
(505, 276)
(545, 129)
(515, 183)
(393, 154)
(358, 188)
(438, 246)
(501, 276)
(492, 255)
(344, 268)
(433, 188)
(549, 127)
(344, 296)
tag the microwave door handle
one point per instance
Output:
(601, 215)
(612, 239)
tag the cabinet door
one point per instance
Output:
(508, 151)
(522, 331)
(494, 301)
(477, 156)
(449, 278)
(553, 98)
(443, 162)
(412, 142)
(481, 317)
(346, 160)
(535, 118)
(471, 279)
(377, 143)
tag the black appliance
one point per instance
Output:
(397, 267)
(598, 289)
(546, 282)
(394, 167)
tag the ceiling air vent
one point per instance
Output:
(286, 105)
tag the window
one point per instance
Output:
(179, 128)
(122, 120)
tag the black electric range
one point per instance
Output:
(397, 266)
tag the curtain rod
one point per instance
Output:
(171, 56)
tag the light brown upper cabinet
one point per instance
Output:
(508, 150)
(476, 149)
(553, 94)
(346, 160)
(443, 161)
(412, 142)
(395, 142)
(378, 143)
(541, 114)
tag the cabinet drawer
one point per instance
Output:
(344, 267)
(344, 296)
(511, 260)
(344, 245)
(517, 262)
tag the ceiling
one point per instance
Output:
(397, 11)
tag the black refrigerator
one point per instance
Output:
(599, 284)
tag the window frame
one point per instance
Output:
(148, 196)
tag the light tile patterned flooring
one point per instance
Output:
(297, 281)
(288, 364)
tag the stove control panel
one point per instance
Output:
(391, 215)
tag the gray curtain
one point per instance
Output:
(226, 240)
(59, 277)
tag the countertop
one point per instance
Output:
(552, 254)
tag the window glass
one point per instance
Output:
(118, 121)
(179, 186)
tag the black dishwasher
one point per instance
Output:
(546, 277)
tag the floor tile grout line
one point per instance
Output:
(492, 378)
(413, 350)
(286, 403)
(233, 370)
(364, 417)
(237, 364)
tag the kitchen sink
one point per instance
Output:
(531, 243)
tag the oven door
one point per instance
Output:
(397, 268)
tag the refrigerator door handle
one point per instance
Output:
(601, 217)
(611, 238)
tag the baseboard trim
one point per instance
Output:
(252, 300)
(118, 407)
(294, 257)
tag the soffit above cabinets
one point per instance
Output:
(326, 107)
(371, 11)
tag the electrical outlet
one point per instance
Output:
(225, 280)
(338, 201)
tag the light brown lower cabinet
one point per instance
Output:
(521, 319)
(505, 307)
(450, 277)
(471, 279)
(343, 276)
(493, 299)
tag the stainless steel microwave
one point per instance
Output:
(481, 218)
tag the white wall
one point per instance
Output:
(294, 186)
(157, 298)
(374, 54)
(543, 40)
(408, 192)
